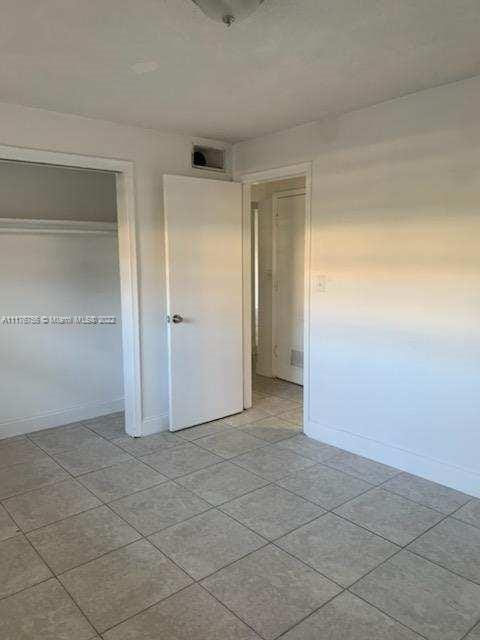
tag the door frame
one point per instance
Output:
(128, 263)
(276, 197)
(248, 180)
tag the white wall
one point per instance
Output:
(153, 154)
(395, 339)
(30, 190)
(263, 195)
(54, 374)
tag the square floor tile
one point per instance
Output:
(283, 389)
(179, 461)
(206, 543)
(43, 506)
(454, 545)
(121, 480)
(256, 395)
(43, 612)
(81, 538)
(221, 482)
(20, 451)
(25, 477)
(207, 429)
(60, 439)
(271, 429)
(264, 387)
(148, 444)
(338, 549)
(474, 634)
(275, 406)
(122, 583)
(229, 444)
(271, 511)
(20, 566)
(192, 614)
(8, 528)
(391, 516)
(347, 617)
(110, 427)
(270, 590)
(246, 417)
(295, 416)
(6, 441)
(308, 448)
(430, 494)
(327, 487)
(470, 513)
(423, 596)
(272, 463)
(91, 457)
(363, 468)
(159, 507)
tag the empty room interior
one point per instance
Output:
(240, 320)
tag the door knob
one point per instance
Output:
(177, 319)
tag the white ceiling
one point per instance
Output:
(292, 62)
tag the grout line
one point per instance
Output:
(15, 593)
(465, 637)
(309, 615)
(218, 508)
(389, 615)
(399, 495)
(399, 549)
(150, 606)
(418, 504)
(402, 548)
(475, 526)
(194, 581)
(441, 566)
(257, 633)
(55, 522)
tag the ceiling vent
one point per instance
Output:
(208, 158)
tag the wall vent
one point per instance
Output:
(208, 158)
(296, 358)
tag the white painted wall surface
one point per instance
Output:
(153, 154)
(55, 374)
(29, 190)
(395, 339)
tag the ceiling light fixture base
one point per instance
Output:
(228, 11)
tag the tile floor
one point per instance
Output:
(240, 529)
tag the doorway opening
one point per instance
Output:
(277, 298)
(78, 281)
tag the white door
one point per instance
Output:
(288, 285)
(204, 292)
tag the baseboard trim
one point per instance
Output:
(155, 424)
(58, 418)
(444, 473)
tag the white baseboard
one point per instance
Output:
(266, 373)
(155, 424)
(58, 418)
(417, 464)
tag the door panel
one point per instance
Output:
(204, 287)
(289, 276)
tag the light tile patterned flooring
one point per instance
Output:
(240, 529)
